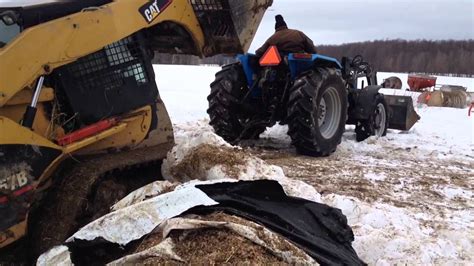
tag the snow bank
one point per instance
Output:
(201, 154)
(387, 235)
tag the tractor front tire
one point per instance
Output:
(225, 108)
(377, 124)
(317, 112)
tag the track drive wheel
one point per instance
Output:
(68, 207)
(86, 191)
(377, 124)
(225, 109)
(317, 112)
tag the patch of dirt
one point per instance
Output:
(279, 242)
(159, 261)
(403, 177)
(220, 246)
(202, 158)
(212, 247)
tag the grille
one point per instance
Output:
(112, 81)
(215, 16)
(110, 67)
(207, 5)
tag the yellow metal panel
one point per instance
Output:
(40, 49)
(24, 96)
(164, 132)
(135, 132)
(12, 234)
(13, 133)
(131, 132)
(91, 140)
(42, 124)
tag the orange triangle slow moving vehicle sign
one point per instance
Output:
(271, 57)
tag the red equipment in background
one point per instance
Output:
(420, 83)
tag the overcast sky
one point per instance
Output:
(343, 21)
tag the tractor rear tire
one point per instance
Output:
(317, 112)
(377, 124)
(225, 110)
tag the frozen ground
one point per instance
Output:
(408, 197)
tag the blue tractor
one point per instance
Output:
(315, 95)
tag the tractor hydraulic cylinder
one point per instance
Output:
(30, 113)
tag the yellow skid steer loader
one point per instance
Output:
(77, 88)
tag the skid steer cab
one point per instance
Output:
(314, 95)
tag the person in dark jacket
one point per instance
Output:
(287, 40)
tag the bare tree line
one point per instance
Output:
(180, 59)
(420, 56)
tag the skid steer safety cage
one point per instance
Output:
(216, 19)
(207, 5)
(109, 82)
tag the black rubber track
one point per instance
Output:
(303, 111)
(225, 110)
(86, 189)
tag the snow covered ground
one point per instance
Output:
(408, 197)
(184, 89)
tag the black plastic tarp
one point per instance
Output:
(321, 231)
(318, 229)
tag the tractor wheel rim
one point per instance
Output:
(329, 113)
(380, 120)
(322, 111)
